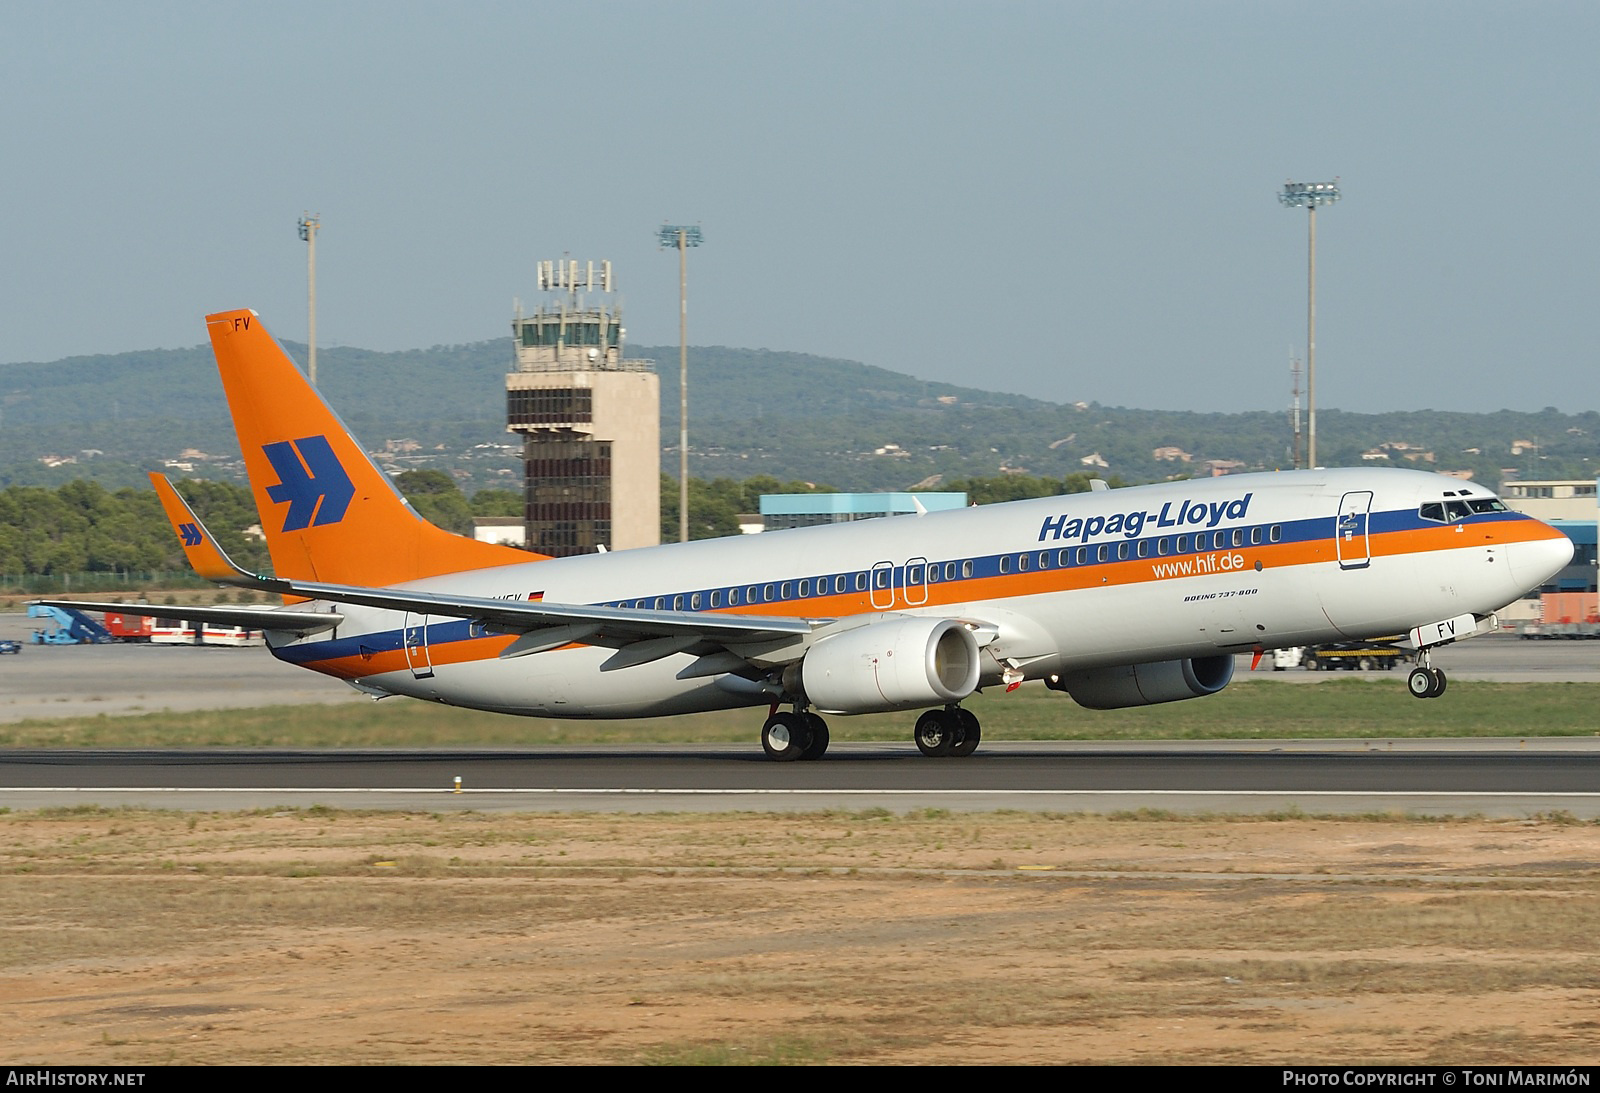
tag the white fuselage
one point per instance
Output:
(1116, 577)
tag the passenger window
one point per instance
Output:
(1102, 553)
(694, 602)
(785, 590)
(1122, 552)
(840, 584)
(661, 603)
(1005, 563)
(1044, 559)
(767, 593)
(716, 599)
(1183, 544)
(933, 573)
(1142, 548)
(1238, 537)
(733, 597)
(950, 571)
(1083, 555)
(1064, 558)
(805, 589)
(677, 603)
(966, 568)
(880, 578)
(1275, 533)
(861, 582)
(1255, 536)
(913, 574)
(1022, 563)
(1161, 545)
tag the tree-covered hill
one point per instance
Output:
(789, 415)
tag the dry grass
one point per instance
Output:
(132, 937)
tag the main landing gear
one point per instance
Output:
(1425, 681)
(790, 736)
(800, 734)
(950, 731)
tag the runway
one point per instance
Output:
(1434, 777)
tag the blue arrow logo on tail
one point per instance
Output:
(191, 534)
(310, 480)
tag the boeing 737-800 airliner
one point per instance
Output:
(1118, 597)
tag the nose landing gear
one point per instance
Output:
(1425, 681)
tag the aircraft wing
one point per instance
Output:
(611, 626)
(292, 622)
(639, 636)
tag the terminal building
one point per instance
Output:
(589, 418)
(1573, 508)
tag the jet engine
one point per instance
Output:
(1145, 684)
(898, 664)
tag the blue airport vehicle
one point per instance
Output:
(66, 626)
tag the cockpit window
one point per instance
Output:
(1451, 511)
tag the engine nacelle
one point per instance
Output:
(898, 664)
(1145, 684)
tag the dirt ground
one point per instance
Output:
(131, 938)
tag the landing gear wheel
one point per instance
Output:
(968, 731)
(1366, 664)
(785, 737)
(1426, 682)
(1312, 664)
(935, 734)
(1420, 683)
(819, 737)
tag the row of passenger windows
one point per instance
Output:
(805, 588)
(919, 573)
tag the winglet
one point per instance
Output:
(207, 558)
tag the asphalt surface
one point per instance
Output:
(1500, 778)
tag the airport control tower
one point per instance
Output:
(590, 420)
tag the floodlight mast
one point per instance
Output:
(1308, 195)
(309, 225)
(681, 237)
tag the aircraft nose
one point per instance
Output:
(1535, 562)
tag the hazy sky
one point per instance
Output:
(1069, 200)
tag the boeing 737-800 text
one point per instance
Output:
(1118, 597)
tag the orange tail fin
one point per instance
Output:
(329, 513)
